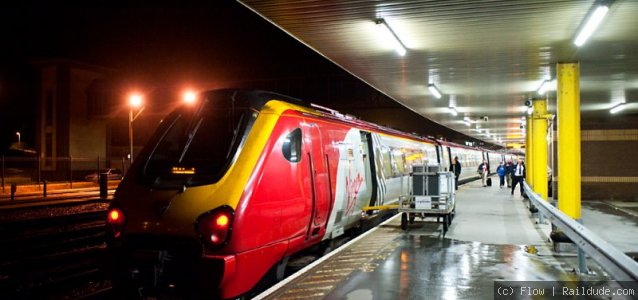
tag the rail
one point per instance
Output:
(620, 266)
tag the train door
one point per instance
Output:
(368, 161)
(319, 180)
(439, 157)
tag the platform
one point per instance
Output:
(487, 241)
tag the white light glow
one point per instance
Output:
(618, 107)
(591, 24)
(453, 111)
(434, 90)
(467, 123)
(530, 110)
(389, 36)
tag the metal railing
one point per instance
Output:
(26, 172)
(620, 266)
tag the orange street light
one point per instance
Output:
(190, 97)
(134, 101)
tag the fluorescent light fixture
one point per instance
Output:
(453, 111)
(434, 90)
(543, 88)
(591, 24)
(620, 106)
(391, 36)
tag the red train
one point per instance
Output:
(226, 191)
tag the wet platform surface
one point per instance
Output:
(487, 242)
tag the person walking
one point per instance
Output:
(483, 170)
(508, 172)
(518, 175)
(501, 174)
(456, 169)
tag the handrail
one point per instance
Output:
(620, 266)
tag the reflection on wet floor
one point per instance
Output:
(428, 267)
(486, 243)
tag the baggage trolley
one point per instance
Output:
(432, 195)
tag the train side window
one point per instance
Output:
(292, 146)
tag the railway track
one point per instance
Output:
(57, 251)
(52, 257)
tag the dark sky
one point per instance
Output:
(217, 42)
(220, 41)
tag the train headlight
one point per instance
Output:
(214, 227)
(115, 220)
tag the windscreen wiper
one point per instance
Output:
(235, 134)
(191, 136)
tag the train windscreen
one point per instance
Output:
(196, 145)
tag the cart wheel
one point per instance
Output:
(404, 221)
(445, 224)
(411, 219)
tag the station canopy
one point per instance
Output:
(485, 57)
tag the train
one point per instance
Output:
(226, 191)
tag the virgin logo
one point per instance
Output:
(352, 190)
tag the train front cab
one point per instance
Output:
(171, 236)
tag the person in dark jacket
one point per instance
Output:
(455, 168)
(508, 172)
(518, 175)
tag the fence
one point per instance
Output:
(34, 170)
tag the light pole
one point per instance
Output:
(18, 134)
(135, 101)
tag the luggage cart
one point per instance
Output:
(432, 195)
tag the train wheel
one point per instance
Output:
(404, 221)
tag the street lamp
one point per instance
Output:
(18, 134)
(135, 102)
(190, 97)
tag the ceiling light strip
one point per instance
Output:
(399, 47)
(435, 91)
(591, 24)
(618, 108)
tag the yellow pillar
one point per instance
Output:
(568, 111)
(529, 151)
(539, 147)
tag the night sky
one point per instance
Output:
(219, 42)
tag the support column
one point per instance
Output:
(568, 111)
(529, 151)
(539, 147)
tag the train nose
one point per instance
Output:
(151, 267)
